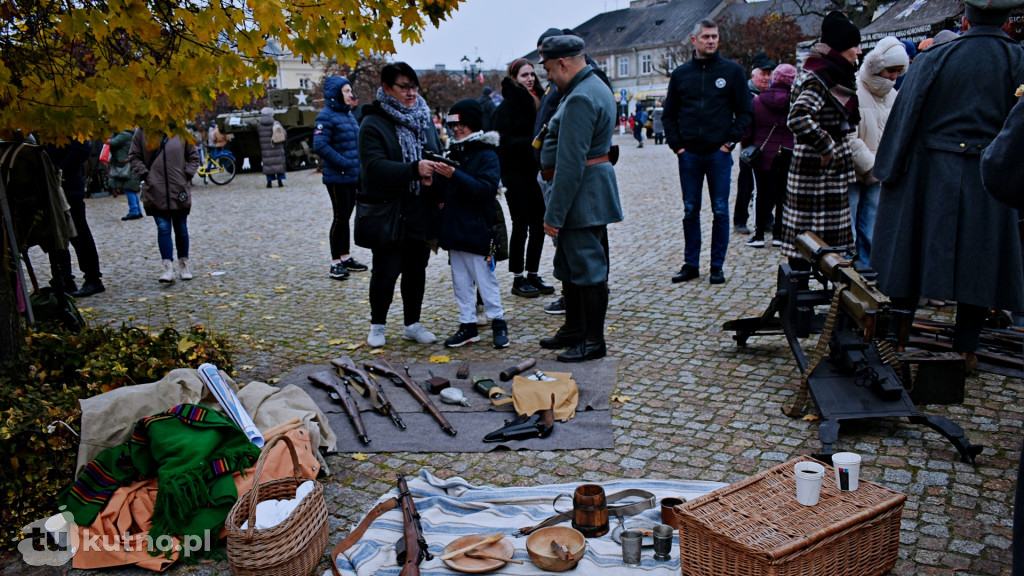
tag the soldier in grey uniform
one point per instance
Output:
(584, 195)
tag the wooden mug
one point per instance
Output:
(668, 511)
(590, 510)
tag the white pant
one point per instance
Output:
(471, 272)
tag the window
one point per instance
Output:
(304, 83)
(623, 66)
(645, 64)
(272, 83)
(605, 65)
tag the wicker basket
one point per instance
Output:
(756, 527)
(293, 547)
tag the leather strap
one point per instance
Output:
(648, 501)
(549, 174)
(355, 535)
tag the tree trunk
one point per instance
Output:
(11, 328)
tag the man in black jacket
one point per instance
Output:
(707, 110)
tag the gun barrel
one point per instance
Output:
(384, 368)
(329, 381)
(377, 395)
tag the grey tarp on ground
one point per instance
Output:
(590, 428)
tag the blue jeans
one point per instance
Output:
(163, 236)
(133, 202)
(693, 168)
(863, 209)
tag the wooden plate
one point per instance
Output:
(503, 548)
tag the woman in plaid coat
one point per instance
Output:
(823, 112)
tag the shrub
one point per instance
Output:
(58, 368)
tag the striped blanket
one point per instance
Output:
(454, 508)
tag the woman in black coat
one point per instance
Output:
(514, 121)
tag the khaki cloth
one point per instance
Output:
(529, 396)
(108, 419)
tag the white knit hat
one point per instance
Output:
(887, 53)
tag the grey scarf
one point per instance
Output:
(412, 125)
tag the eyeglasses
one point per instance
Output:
(407, 87)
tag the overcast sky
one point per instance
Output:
(498, 31)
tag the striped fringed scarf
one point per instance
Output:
(191, 450)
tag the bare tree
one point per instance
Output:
(672, 58)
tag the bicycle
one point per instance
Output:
(218, 166)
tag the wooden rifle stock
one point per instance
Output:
(383, 367)
(377, 396)
(412, 549)
(329, 381)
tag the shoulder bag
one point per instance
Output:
(751, 153)
(378, 223)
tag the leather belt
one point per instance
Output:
(549, 174)
(648, 501)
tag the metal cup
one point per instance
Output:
(632, 540)
(663, 542)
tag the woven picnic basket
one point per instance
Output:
(757, 528)
(293, 547)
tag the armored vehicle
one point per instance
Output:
(294, 109)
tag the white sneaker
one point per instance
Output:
(417, 333)
(376, 338)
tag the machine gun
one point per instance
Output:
(329, 381)
(384, 368)
(412, 548)
(852, 373)
(367, 385)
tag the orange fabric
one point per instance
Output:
(130, 511)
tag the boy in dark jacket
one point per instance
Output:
(467, 216)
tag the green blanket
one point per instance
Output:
(192, 451)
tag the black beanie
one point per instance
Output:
(468, 112)
(839, 32)
(547, 34)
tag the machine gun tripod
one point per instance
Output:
(852, 374)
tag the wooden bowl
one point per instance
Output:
(538, 545)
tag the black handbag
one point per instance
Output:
(751, 153)
(781, 161)
(378, 223)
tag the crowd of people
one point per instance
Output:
(842, 148)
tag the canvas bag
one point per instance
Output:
(529, 396)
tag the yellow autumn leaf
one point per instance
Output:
(440, 359)
(355, 345)
(621, 398)
(184, 345)
(359, 456)
(811, 418)
(335, 342)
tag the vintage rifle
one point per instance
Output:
(370, 386)
(384, 368)
(412, 548)
(329, 381)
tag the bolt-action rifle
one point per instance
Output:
(412, 548)
(367, 385)
(384, 368)
(329, 381)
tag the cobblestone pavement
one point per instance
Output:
(700, 407)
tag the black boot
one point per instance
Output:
(537, 282)
(571, 333)
(595, 306)
(522, 287)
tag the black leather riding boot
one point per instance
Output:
(571, 333)
(595, 306)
